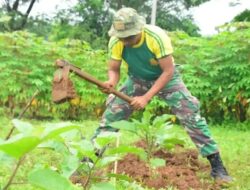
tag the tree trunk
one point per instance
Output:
(14, 12)
(25, 17)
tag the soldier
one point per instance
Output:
(147, 51)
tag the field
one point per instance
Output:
(234, 145)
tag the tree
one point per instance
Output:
(88, 20)
(94, 18)
(171, 14)
(243, 16)
(17, 19)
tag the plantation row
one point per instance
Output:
(215, 69)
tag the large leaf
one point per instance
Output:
(6, 159)
(55, 145)
(146, 117)
(84, 148)
(171, 142)
(49, 180)
(124, 125)
(69, 165)
(160, 120)
(107, 160)
(23, 127)
(17, 147)
(106, 138)
(50, 133)
(123, 149)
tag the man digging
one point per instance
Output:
(147, 51)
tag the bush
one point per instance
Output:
(27, 64)
(215, 69)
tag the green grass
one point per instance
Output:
(233, 143)
(235, 150)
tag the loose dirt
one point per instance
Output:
(183, 170)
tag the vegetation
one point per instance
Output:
(90, 20)
(214, 70)
(15, 18)
(54, 160)
(27, 62)
(62, 138)
(153, 131)
(243, 16)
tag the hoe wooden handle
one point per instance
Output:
(88, 77)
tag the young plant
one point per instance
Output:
(94, 169)
(64, 139)
(28, 139)
(155, 132)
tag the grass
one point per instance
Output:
(235, 150)
(233, 143)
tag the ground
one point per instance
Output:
(183, 170)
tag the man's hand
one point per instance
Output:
(139, 102)
(108, 86)
(114, 76)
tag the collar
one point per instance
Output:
(141, 40)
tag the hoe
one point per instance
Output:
(63, 88)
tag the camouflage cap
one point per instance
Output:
(126, 22)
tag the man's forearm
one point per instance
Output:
(114, 77)
(164, 78)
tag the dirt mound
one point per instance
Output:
(180, 170)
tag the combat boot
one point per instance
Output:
(218, 171)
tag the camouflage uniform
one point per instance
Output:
(176, 95)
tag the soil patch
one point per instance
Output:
(181, 170)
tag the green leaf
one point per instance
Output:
(23, 127)
(86, 148)
(103, 186)
(69, 165)
(55, 145)
(124, 149)
(106, 138)
(146, 117)
(6, 159)
(57, 130)
(170, 143)
(49, 180)
(157, 162)
(70, 135)
(160, 120)
(17, 147)
(107, 160)
(124, 125)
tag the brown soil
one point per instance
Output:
(182, 170)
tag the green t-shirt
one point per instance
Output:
(142, 59)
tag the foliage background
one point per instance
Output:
(215, 69)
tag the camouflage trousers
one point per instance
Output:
(176, 95)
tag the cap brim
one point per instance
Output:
(123, 34)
